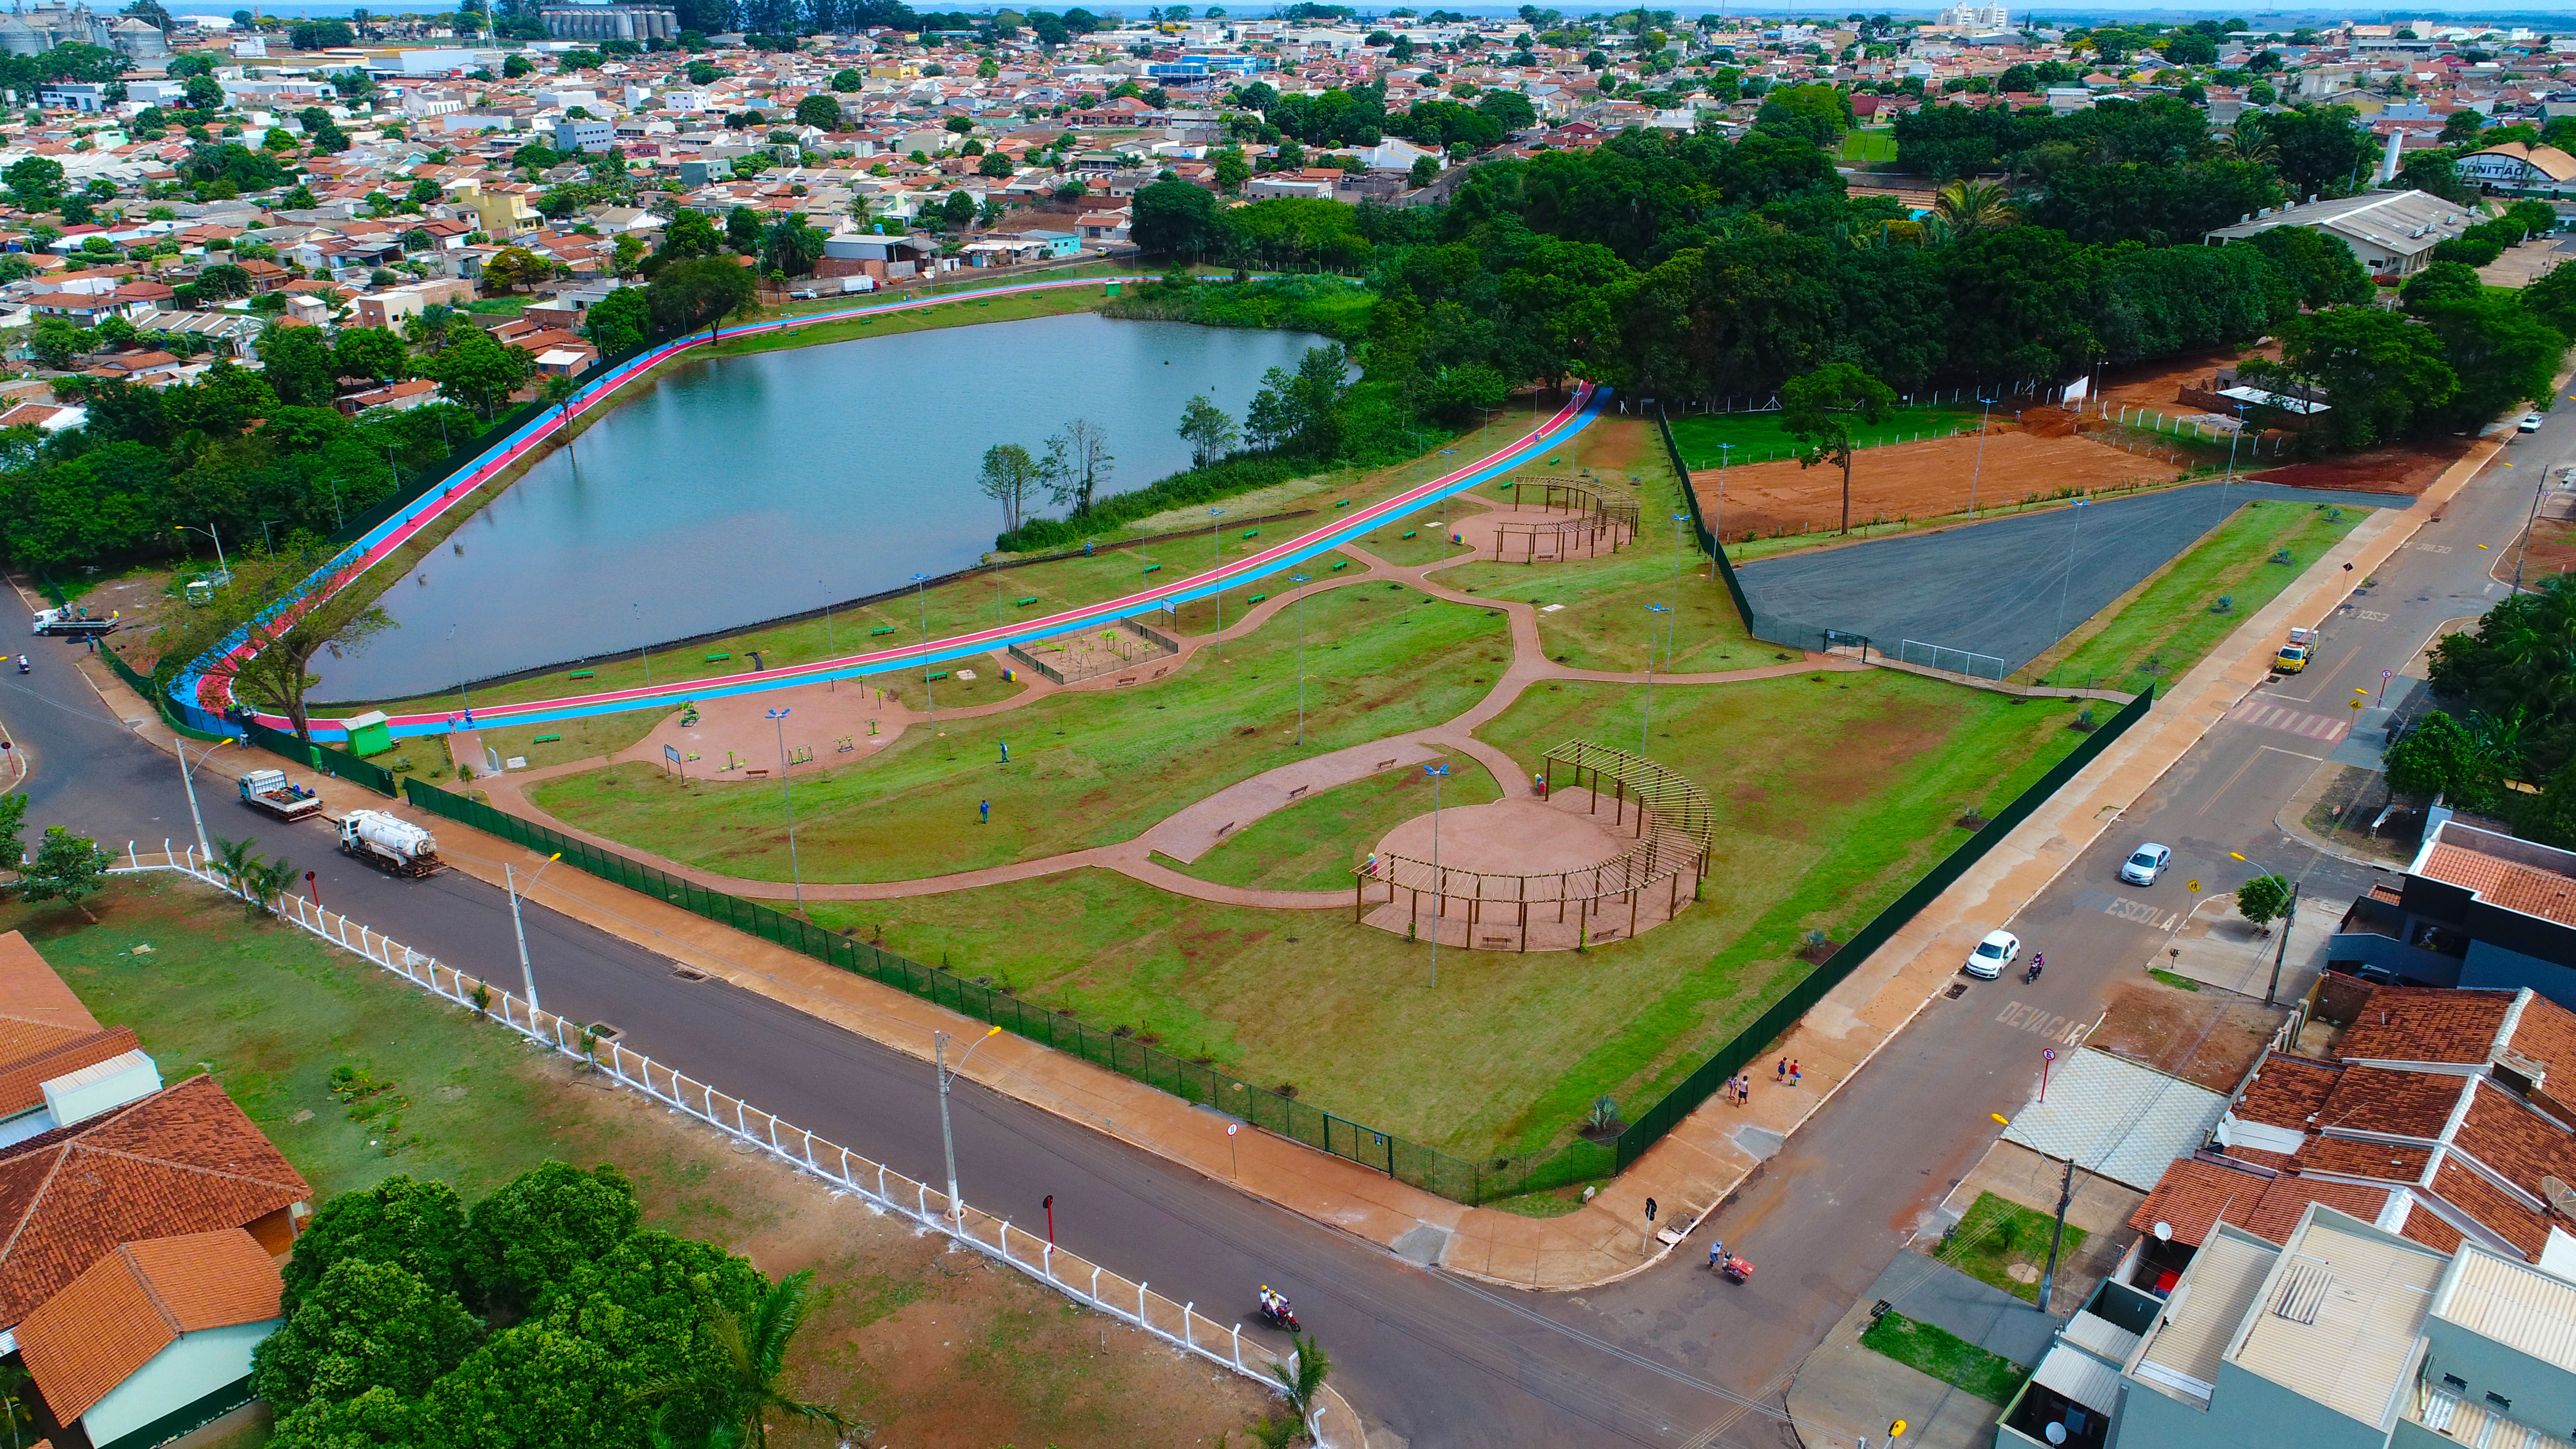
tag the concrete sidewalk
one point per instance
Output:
(1703, 1159)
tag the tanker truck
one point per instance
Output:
(389, 843)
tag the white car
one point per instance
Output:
(1993, 954)
(2530, 422)
(2142, 867)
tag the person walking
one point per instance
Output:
(1783, 1071)
(1795, 1075)
(986, 807)
(1716, 1252)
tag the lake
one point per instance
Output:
(743, 488)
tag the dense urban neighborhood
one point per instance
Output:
(751, 722)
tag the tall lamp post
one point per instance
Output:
(190, 785)
(778, 718)
(2289, 915)
(2066, 582)
(1646, 724)
(929, 703)
(830, 650)
(2232, 440)
(1300, 581)
(510, 883)
(947, 1138)
(1439, 899)
(1986, 410)
(1217, 538)
(1725, 451)
(1681, 530)
(643, 649)
(220, 566)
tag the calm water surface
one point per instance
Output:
(741, 489)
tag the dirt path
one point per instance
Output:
(1194, 829)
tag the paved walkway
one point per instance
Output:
(1707, 1156)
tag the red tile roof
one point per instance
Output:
(22, 1079)
(2285, 1090)
(133, 1303)
(2506, 883)
(2425, 1227)
(2193, 1196)
(183, 1160)
(2400, 1104)
(2426, 1024)
(2379, 1161)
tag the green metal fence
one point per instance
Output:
(1751, 1043)
(143, 686)
(339, 764)
(1709, 542)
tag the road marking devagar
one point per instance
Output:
(2066, 1031)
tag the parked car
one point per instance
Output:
(2294, 656)
(2530, 422)
(1993, 954)
(2145, 864)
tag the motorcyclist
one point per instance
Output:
(2036, 961)
(22, 664)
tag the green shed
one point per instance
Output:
(370, 734)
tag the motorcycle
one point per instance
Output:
(2032, 974)
(1736, 1269)
(1279, 1315)
(23, 666)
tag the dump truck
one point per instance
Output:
(2295, 654)
(271, 791)
(72, 624)
(389, 843)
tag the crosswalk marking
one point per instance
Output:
(2282, 717)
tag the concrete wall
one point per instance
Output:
(2541, 1392)
(2492, 965)
(2347, 949)
(186, 1371)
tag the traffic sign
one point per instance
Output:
(2048, 1054)
(1650, 1210)
(2388, 674)
(2193, 886)
(1232, 1128)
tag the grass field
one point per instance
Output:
(1091, 768)
(1867, 147)
(1838, 795)
(931, 1349)
(1945, 1356)
(2168, 622)
(1758, 437)
(1995, 1237)
(1314, 844)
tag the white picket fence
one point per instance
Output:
(873, 1183)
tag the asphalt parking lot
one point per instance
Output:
(2006, 587)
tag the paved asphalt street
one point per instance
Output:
(1439, 1361)
(2007, 587)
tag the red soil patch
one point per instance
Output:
(2407, 468)
(2036, 457)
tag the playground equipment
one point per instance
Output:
(1595, 522)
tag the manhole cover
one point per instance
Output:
(685, 974)
(1957, 990)
(605, 1032)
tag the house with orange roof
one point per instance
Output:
(154, 1339)
(2475, 908)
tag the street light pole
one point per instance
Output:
(830, 650)
(1217, 538)
(643, 649)
(1987, 406)
(929, 702)
(1646, 723)
(1439, 898)
(2066, 583)
(190, 785)
(1300, 581)
(1681, 530)
(778, 718)
(947, 1137)
(2289, 918)
(220, 566)
(2528, 524)
(1725, 451)
(510, 883)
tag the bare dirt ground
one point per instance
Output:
(2157, 385)
(2550, 550)
(2037, 457)
(2208, 1036)
(2407, 468)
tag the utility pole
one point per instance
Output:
(1300, 581)
(190, 786)
(527, 976)
(2281, 949)
(2528, 525)
(1986, 413)
(2065, 1195)
(948, 1138)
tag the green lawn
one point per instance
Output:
(1945, 1356)
(2163, 627)
(1758, 436)
(913, 1339)
(1837, 794)
(1996, 1236)
(1867, 147)
(1090, 768)
(1314, 844)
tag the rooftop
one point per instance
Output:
(137, 1301)
(2342, 1310)
(2181, 1354)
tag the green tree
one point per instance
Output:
(743, 227)
(515, 66)
(820, 112)
(2383, 371)
(377, 1419)
(2264, 899)
(1012, 478)
(35, 179)
(376, 352)
(1078, 464)
(532, 1232)
(203, 93)
(298, 364)
(1210, 433)
(2436, 757)
(1820, 408)
(515, 268)
(958, 211)
(364, 1325)
(288, 609)
(476, 370)
(995, 166)
(417, 1224)
(688, 295)
(848, 82)
(67, 867)
(619, 322)
(1302, 1376)
(748, 1382)
(13, 826)
(1426, 169)
(1173, 218)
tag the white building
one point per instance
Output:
(2392, 233)
(1974, 18)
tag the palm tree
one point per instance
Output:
(744, 1385)
(2250, 142)
(1301, 1378)
(234, 861)
(1966, 208)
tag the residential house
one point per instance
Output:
(2474, 908)
(155, 1338)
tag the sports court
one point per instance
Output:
(2006, 588)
